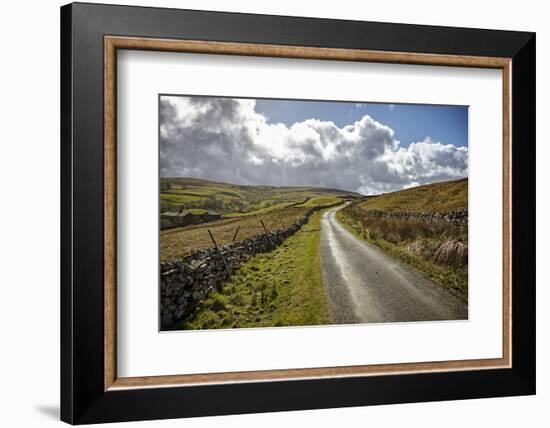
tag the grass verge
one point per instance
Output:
(452, 278)
(280, 288)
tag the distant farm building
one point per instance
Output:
(170, 219)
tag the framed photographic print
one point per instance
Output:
(266, 213)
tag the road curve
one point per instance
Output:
(365, 285)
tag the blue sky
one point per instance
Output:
(410, 122)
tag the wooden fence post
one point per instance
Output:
(219, 253)
(267, 233)
(237, 231)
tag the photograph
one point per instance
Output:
(279, 212)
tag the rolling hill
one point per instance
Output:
(231, 199)
(436, 197)
(230, 212)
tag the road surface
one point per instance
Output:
(365, 285)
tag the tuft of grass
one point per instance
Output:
(280, 288)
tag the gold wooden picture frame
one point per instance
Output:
(114, 43)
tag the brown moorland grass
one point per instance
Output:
(435, 197)
(439, 250)
(181, 242)
(397, 230)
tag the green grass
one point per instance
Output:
(196, 211)
(264, 210)
(178, 199)
(311, 202)
(435, 197)
(280, 288)
(320, 200)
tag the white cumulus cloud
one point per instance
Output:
(225, 139)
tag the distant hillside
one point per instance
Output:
(435, 197)
(231, 199)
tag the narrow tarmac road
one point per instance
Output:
(365, 285)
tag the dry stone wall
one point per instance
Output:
(458, 216)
